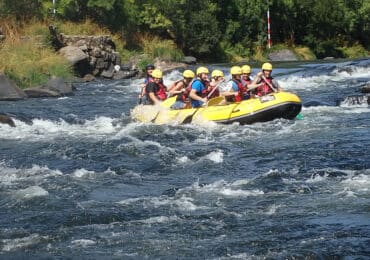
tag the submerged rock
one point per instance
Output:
(366, 89)
(4, 119)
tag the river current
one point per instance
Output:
(80, 179)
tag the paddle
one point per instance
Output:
(169, 102)
(216, 100)
(269, 84)
(141, 95)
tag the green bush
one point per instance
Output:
(156, 47)
(355, 51)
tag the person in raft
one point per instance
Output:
(266, 82)
(148, 78)
(235, 91)
(155, 90)
(181, 89)
(199, 88)
(246, 75)
(217, 77)
(247, 81)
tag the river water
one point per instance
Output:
(80, 179)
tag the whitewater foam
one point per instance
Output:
(30, 193)
(10, 176)
(9, 245)
(42, 129)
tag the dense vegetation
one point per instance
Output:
(219, 27)
(208, 29)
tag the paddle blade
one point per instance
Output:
(144, 113)
(215, 101)
(169, 102)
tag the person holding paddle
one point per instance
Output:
(236, 92)
(155, 90)
(217, 77)
(199, 88)
(181, 89)
(269, 85)
(148, 78)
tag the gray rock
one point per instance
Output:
(125, 74)
(107, 73)
(38, 92)
(101, 63)
(4, 119)
(9, 90)
(190, 60)
(88, 78)
(366, 89)
(282, 55)
(73, 54)
(59, 85)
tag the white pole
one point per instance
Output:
(268, 29)
(54, 10)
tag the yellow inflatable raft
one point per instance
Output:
(275, 105)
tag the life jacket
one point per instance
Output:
(173, 84)
(161, 93)
(265, 88)
(215, 93)
(184, 96)
(241, 90)
(246, 82)
(181, 96)
(205, 90)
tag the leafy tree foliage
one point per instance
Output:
(206, 27)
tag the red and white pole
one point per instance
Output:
(268, 29)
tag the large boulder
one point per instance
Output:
(73, 54)
(9, 90)
(38, 92)
(55, 87)
(59, 85)
(282, 55)
(190, 60)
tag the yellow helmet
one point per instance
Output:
(266, 66)
(201, 70)
(236, 70)
(188, 74)
(217, 73)
(246, 69)
(157, 74)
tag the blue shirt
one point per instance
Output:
(199, 87)
(234, 86)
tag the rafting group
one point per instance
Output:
(198, 98)
(195, 90)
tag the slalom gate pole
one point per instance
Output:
(268, 29)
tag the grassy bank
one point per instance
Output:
(27, 58)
